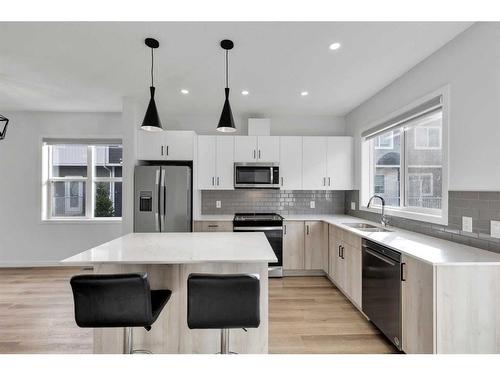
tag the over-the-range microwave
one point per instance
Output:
(256, 176)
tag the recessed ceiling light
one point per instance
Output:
(304, 93)
(334, 46)
(184, 91)
(245, 92)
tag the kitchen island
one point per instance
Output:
(169, 258)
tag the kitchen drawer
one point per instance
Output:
(213, 226)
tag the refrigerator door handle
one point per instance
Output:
(157, 219)
(163, 192)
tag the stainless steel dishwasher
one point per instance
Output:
(381, 288)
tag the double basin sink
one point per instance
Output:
(366, 227)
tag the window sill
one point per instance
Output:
(117, 221)
(406, 214)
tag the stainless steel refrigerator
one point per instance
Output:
(162, 199)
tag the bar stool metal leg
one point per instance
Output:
(224, 341)
(128, 343)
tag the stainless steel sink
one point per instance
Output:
(366, 227)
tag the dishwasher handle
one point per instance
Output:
(381, 257)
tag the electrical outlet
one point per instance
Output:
(312, 204)
(218, 204)
(466, 224)
(495, 229)
(353, 205)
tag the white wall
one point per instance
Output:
(470, 64)
(280, 124)
(24, 239)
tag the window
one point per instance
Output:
(385, 141)
(427, 138)
(82, 180)
(408, 175)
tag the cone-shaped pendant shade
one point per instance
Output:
(226, 121)
(151, 120)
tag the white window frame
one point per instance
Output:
(434, 216)
(90, 182)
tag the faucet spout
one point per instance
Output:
(383, 220)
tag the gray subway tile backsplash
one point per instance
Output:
(481, 206)
(285, 202)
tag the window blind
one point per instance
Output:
(82, 141)
(423, 109)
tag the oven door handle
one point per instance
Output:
(257, 228)
(379, 257)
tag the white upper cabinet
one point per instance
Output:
(268, 149)
(314, 174)
(245, 148)
(150, 145)
(340, 163)
(215, 162)
(290, 149)
(256, 149)
(206, 162)
(327, 163)
(165, 145)
(225, 162)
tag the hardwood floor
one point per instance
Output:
(307, 315)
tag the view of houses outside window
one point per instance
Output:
(69, 179)
(407, 164)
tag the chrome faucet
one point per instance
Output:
(383, 220)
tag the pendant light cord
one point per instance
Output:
(152, 57)
(227, 68)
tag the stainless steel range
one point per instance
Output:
(272, 226)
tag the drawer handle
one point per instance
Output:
(213, 225)
(403, 271)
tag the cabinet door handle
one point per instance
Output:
(307, 229)
(339, 251)
(213, 181)
(343, 248)
(259, 154)
(328, 181)
(281, 181)
(161, 150)
(403, 271)
(254, 154)
(284, 229)
(324, 181)
(167, 150)
(217, 181)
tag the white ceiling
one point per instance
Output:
(91, 66)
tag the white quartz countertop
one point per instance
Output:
(179, 248)
(426, 248)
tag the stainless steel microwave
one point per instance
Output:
(256, 176)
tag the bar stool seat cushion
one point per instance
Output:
(117, 300)
(223, 301)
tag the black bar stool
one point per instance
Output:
(223, 302)
(118, 300)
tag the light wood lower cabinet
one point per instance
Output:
(417, 306)
(345, 262)
(305, 246)
(316, 246)
(213, 226)
(293, 245)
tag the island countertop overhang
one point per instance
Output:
(179, 248)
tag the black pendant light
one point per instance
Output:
(151, 120)
(4, 121)
(226, 121)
